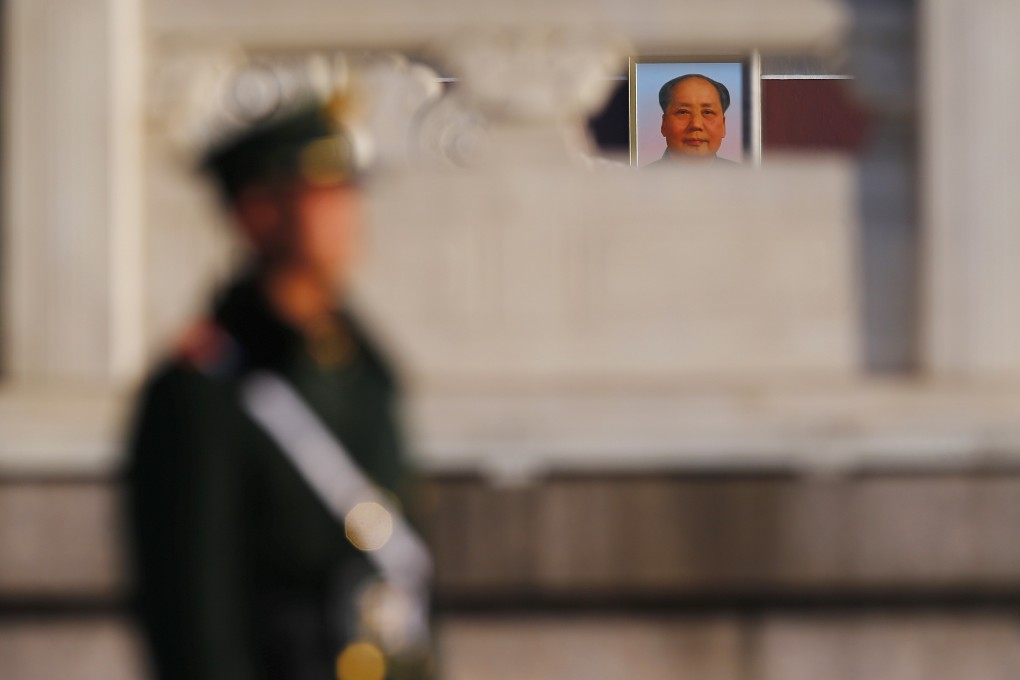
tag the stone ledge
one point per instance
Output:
(938, 646)
(105, 648)
(514, 432)
(721, 538)
(60, 541)
(638, 538)
(519, 431)
(60, 429)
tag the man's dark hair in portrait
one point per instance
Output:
(266, 461)
(667, 88)
(693, 118)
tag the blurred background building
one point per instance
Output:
(759, 424)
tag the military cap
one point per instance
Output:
(305, 142)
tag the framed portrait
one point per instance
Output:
(687, 107)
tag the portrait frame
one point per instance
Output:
(741, 73)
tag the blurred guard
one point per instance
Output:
(266, 462)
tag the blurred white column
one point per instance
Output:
(72, 278)
(971, 205)
(72, 313)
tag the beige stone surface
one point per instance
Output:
(652, 537)
(485, 537)
(549, 273)
(100, 648)
(914, 532)
(841, 645)
(593, 648)
(514, 428)
(835, 645)
(997, 512)
(61, 429)
(645, 537)
(577, 544)
(907, 646)
(650, 24)
(970, 208)
(60, 540)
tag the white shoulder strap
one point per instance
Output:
(327, 467)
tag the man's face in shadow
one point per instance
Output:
(693, 124)
(296, 226)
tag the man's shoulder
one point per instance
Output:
(661, 161)
(206, 348)
(667, 161)
(202, 361)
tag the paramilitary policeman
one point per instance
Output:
(265, 469)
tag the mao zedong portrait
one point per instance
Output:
(693, 118)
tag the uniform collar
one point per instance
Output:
(267, 340)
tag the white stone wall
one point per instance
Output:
(652, 25)
(970, 208)
(910, 646)
(527, 272)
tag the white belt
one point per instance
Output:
(402, 559)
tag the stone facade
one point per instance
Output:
(656, 433)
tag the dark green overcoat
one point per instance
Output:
(242, 573)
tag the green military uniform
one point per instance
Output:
(243, 573)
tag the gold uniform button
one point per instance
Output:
(361, 661)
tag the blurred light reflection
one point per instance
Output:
(368, 526)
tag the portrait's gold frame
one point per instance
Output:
(752, 94)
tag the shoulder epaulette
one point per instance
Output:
(207, 347)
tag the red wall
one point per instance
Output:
(811, 115)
